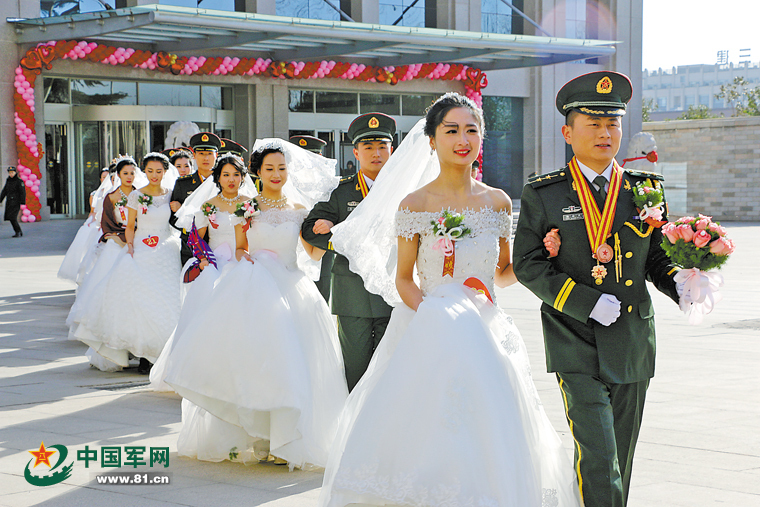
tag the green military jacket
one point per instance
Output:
(349, 297)
(183, 187)
(623, 352)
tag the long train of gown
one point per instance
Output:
(263, 355)
(85, 241)
(135, 307)
(447, 413)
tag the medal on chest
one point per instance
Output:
(598, 223)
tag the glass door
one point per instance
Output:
(57, 177)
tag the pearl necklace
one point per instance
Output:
(122, 193)
(228, 201)
(273, 203)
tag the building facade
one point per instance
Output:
(85, 109)
(673, 90)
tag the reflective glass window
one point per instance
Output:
(216, 97)
(164, 94)
(503, 145)
(495, 17)
(402, 12)
(377, 102)
(310, 9)
(103, 93)
(336, 102)
(49, 8)
(301, 101)
(217, 5)
(415, 105)
(56, 90)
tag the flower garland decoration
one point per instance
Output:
(448, 227)
(30, 150)
(121, 205)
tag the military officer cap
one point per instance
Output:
(372, 127)
(309, 143)
(205, 141)
(602, 93)
(175, 153)
(230, 146)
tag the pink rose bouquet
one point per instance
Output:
(697, 244)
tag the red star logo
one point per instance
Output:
(42, 456)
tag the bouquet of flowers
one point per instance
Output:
(121, 205)
(247, 210)
(697, 245)
(145, 201)
(448, 228)
(649, 201)
(209, 211)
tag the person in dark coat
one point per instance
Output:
(597, 315)
(206, 147)
(362, 316)
(16, 193)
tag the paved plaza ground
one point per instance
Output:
(699, 446)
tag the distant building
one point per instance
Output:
(675, 89)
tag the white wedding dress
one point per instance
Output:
(85, 241)
(447, 413)
(134, 307)
(262, 355)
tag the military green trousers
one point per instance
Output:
(604, 420)
(359, 337)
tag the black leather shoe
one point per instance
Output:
(144, 367)
(18, 235)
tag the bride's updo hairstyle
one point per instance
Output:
(122, 162)
(257, 158)
(229, 159)
(445, 103)
(155, 157)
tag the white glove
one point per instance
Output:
(606, 310)
(685, 293)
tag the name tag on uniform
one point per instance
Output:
(572, 216)
(351, 205)
(189, 192)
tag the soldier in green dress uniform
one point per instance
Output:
(315, 145)
(206, 146)
(362, 316)
(597, 315)
(230, 146)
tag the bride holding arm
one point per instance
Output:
(447, 413)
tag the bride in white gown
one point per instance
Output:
(144, 284)
(263, 354)
(447, 413)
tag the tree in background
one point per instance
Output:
(648, 106)
(697, 113)
(746, 100)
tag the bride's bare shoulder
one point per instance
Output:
(415, 201)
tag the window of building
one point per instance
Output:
(704, 100)
(217, 5)
(575, 21)
(50, 8)
(336, 102)
(103, 93)
(718, 104)
(310, 9)
(165, 94)
(689, 100)
(381, 103)
(56, 90)
(416, 105)
(402, 12)
(662, 103)
(677, 102)
(301, 101)
(503, 145)
(217, 97)
(495, 17)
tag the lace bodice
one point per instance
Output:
(277, 230)
(224, 232)
(152, 218)
(475, 255)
